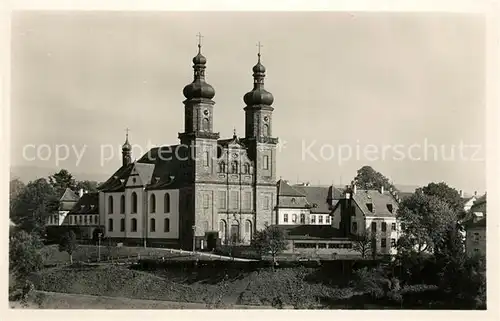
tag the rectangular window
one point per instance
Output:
(393, 226)
(222, 200)
(235, 204)
(328, 219)
(266, 202)
(374, 227)
(206, 159)
(383, 243)
(206, 201)
(393, 242)
(247, 200)
(265, 162)
(285, 218)
(313, 218)
(122, 225)
(321, 245)
(354, 228)
(85, 219)
(320, 219)
(384, 226)
(110, 225)
(80, 219)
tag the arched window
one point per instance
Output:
(222, 231)
(206, 125)
(152, 203)
(166, 203)
(246, 168)
(234, 167)
(248, 229)
(302, 218)
(152, 225)
(122, 225)
(122, 204)
(134, 203)
(110, 225)
(265, 130)
(110, 204)
(222, 167)
(205, 226)
(166, 225)
(133, 226)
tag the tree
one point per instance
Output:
(368, 178)
(62, 180)
(271, 240)
(24, 253)
(68, 244)
(424, 222)
(445, 193)
(89, 186)
(33, 203)
(362, 243)
(16, 186)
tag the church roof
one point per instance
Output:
(116, 183)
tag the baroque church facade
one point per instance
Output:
(204, 189)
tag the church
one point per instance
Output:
(204, 190)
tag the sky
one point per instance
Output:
(409, 87)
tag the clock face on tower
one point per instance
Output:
(266, 118)
(206, 112)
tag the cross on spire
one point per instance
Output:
(199, 36)
(260, 46)
(126, 133)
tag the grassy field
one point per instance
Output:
(51, 300)
(84, 253)
(263, 287)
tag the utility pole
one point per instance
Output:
(194, 238)
(99, 247)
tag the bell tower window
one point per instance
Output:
(265, 130)
(206, 125)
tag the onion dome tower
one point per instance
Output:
(126, 151)
(258, 101)
(198, 106)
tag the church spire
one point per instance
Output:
(258, 95)
(199, 88)
(126, 150)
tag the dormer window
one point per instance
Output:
(293, 201)
(315, 205)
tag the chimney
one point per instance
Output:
(381, 189)
(461, 194)
(475, 193)
(354, 189)
(80, 192)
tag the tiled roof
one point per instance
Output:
(321, 199)
(472, 224)
(116, 182)
(68, 196)
(298, 232)
(88, 204)
(379, 203)
(286, 190)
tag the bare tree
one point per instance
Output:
(363, 243)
